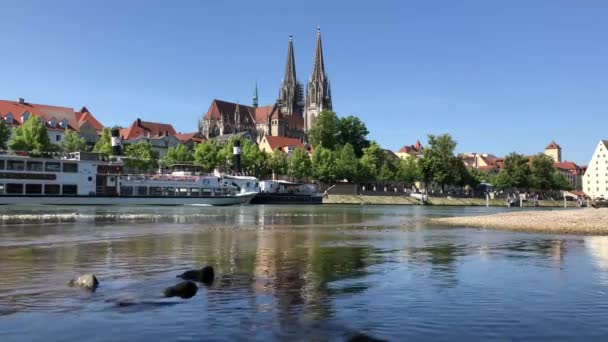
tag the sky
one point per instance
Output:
(499, 76)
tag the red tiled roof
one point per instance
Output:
(194, 136)
(262, 113)
(145, 128)
(552, 146)
(294, 121)
(566, 165)
(219, 108)
(278, 142)
(416, 148)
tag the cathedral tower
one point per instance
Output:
(318, 93)
(290, 95)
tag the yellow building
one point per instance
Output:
(554, 151)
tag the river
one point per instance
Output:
(295, 273)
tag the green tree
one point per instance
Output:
(559, 182)
(325, 131)
(515, 173)
(354, 132)
(206, 155)
(179, 154)
(371, 162)
(439, 161)
(31, 136)
(409, 170)
(72, 142)
(278, 162)
(104, 144)
(5, 134)
(252, 158)
(324, 165)
(141, 156)
(299, 164)
(541, 172)
(347, 163)
(387, 172)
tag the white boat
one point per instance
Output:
(90, 179)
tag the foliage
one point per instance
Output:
(409, 170)
(179, 154)
(559, 182)
(388, 172)
(371, 161)
(299, 164)
(353, 132)
(5, 134)
(325, 131)
(347, 163)
(72, 142)
(206, 155)
(104, 144)
(541, 172)
(515, 173)
(324, 165)
(439, 163)
(277, 162)
(141, 156)
(31, 136)
(252, 159)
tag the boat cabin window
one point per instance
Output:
(142, 191)
(70, 167)
(205, 192)
(205, 181)
(182, 191)
(15, 165)
(52, 189)
(156, 191)
(2, 164)
(34, 166)
(126, 190)
(169, 192)
(52, 167)
(14, 188)
(70, 189)
(33, 189)
(194, 192)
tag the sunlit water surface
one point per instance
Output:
(297, 273)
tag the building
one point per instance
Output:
(190, 139)
(554, 151)
(160, 135)
(572, 173)
(289, 116)
(55, 119)
(415, 150)
(484, 162)
(595, 180)
(286, 145)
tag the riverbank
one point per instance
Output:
(581, 221)
(448, 201)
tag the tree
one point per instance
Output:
(409, 170)
(439, 160)
(31, 136)
(252, 158)
(541, 172)
(179, 154)
(353, 132)
(559, 182)
(387, 172)
(278, 163)
(72, 142)
(371, 162)
(325, 131)
(104, 144)
(206, 155)
(5, 134)
(324, 165)
(141, 156)
(515, 173)
(299, 164)
(347, 163)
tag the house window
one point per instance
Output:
(64, 123)
(25, 116)
(9, 118)
(43, 121)
(58, 137)
(53, 122)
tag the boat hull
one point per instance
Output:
(273, 198)
(131, 200)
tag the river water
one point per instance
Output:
(296, 273)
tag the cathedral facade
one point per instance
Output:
(292, 114)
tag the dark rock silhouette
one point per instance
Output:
(185, 289)
(359, 337)
(205, 275)
(87, 281)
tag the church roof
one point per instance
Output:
(219, 108)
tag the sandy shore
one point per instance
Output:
(580, 221)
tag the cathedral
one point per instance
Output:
(292, 115)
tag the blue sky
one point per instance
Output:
(500, 76)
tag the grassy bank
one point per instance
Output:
(401, 200)
(582, 221)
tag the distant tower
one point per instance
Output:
(318, 93)
(554, 151)
(255, 95)
(290, 94)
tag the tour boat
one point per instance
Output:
(284, 192)
(92, 179)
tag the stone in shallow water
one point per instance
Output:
(87, 281)
(185, 289)
(206, 275)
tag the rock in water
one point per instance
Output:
(87, 281)
(185, 289)
(206, 275)
(359, 337)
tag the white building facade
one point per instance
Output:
(595, 181)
